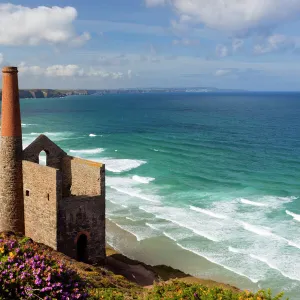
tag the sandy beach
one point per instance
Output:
(161, 251)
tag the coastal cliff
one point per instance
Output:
(48, 93)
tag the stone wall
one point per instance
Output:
(82, 215)
(64, 200)
(82, 177)
(82, 211)
(42, 190)
(11, 185)
(43, 143)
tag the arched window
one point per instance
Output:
(82, 248)
(43, 158)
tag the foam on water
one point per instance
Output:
(55, 136)
(141, 179)
(207, 212)
(28, 138)
(92, 135)
(235, 250)
(177, 234)
(161, 226)
(256, 229)
(180, 218)
(214, 226)
(273, 264)
(132, 219)
(27, 125)
(137, 193)
(121, 165)
(170, 236)
(246, 201)
(140, 232)
(295, 216)
(87, 151)
(232, 228)
(220, 263)
(152, 226)
(131, 193)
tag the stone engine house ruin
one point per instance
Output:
(62, 204)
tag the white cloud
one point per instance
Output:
(62, 71)
(20, 25)
(32, 70)
(234, 15)
(223, 72)
(222, 51)
(68, 71)
(186, 42)
(274, 43)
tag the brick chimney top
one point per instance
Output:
(11, 116)
(10, 69)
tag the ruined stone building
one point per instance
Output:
(62, 204)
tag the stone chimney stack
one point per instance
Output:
(11, 175)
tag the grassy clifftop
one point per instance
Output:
(33, 271)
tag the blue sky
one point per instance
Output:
(238, 44)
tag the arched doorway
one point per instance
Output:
(82, 248)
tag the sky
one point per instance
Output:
(104, 44)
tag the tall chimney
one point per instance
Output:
(11, 175)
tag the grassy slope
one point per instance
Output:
(169, 283)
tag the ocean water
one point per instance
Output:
(217, 175)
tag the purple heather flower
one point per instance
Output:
(38, 281)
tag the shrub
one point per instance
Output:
(180, 290)
(27, 272)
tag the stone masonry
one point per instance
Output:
(62, 204)
(11, 181)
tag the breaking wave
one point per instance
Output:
(295, 216)
(246, 201)
(141, 179)
(88, 151)
(208, 212)
(121, 165)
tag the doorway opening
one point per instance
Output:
(82, 248)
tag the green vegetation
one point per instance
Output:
(179, 290)
(33, 271)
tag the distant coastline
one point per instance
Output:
(56, 93)
(48, 93)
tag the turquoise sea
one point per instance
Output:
(215, 177)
